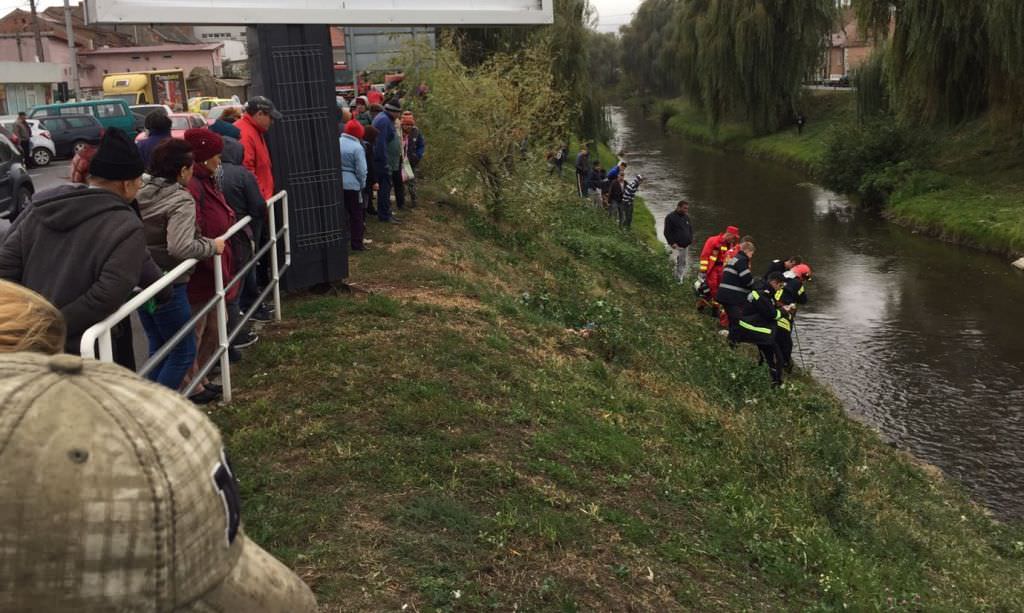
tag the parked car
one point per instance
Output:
(110, 113)
(141, 111)
(16, 187)
(204, 104)
(180, 122)
(215, 113)
(43, 149)
(71, 133)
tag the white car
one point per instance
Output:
(43, 149)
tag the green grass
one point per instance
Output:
(973, 193)
(518, 416)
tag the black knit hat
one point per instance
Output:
(117, 158)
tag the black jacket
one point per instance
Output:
(737, 281)
(775, 266)
(678, 230)
(83, 249)
(760, 313)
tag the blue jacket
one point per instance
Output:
(353, 163)
(385, 127)
(148, 144)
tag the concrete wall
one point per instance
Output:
(107, 63)
(54, 50)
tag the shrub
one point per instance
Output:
(873, 159)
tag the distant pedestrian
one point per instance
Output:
(616, 191)
(372, 184)
(616, 170)
(560, 157)
(413, 148)
(628, 198)
(353, 179)
(23, 131)
(800, 121)
(361, 111)
(158, 129)
(596, 183)
(582, 171)
(679, 236)
(386, 157)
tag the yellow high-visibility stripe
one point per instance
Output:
(785, 324)
(754, 328)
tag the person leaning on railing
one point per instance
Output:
(28, 322)
(172, 236)
(215, 217)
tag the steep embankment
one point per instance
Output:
(526, 415)
(967, 188)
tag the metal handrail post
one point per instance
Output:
(287, 231)
(106, 346)
(273, 259)
(222, 326)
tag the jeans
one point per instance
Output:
(399, 187)
(356, 218)
(160, 327)
(384, 195)
(679, 255)
(626, 214)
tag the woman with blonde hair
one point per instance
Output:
(28, 322)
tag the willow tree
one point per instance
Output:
(743, 58)
(950, 60)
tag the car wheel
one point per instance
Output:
(41, 156)
(78, 146)
(20, 200)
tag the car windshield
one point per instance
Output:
(180, 123)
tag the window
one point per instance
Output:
(54, 125)
(80, 122)
(74, 110)
(198, 123)
(110, 110)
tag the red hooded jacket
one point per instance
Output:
(214, 216)
(257, 156)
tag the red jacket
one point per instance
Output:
(257, 156)
(214, 216)
(713, 253)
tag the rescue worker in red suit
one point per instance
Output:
(712, 259)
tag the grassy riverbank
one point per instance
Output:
(968, 191)
(526, 415)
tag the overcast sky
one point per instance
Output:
(611, 13)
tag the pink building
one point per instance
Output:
(96, 64)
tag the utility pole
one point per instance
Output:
(72, 49)
(35, 30)
(350, 59)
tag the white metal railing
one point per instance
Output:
(99, 334)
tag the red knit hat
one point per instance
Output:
(205, 143)
(354, 128)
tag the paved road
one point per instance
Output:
(51, 176)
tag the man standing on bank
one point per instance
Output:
(679, 236)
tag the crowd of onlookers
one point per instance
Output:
(133, 211)
(606, 189)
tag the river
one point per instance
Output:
(918, 338)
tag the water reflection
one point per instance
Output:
(916, 337)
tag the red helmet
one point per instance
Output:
(802, 270)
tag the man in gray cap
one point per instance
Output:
(116, 495)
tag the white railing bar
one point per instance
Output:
(188, 328)
(90, 336)
(272, 220)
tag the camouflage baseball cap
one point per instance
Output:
(116, 495)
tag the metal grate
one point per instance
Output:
(310, 151)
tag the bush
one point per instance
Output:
(873, 159)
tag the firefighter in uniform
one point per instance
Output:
(712, 259)
(791, 294)
(735, 286)
(758, 323)
(783, 266)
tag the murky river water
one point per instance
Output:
(922, 340)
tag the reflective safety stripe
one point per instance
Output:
(801, 290)
(745, 273)
(713, 259)
(752, 296)
(729, 269)
(722, 286)
(778, 294)
(754, 328)
(785, 324)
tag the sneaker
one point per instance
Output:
(263, 314)
(205, 397)
(247, 339)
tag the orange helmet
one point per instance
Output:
(802, 270)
